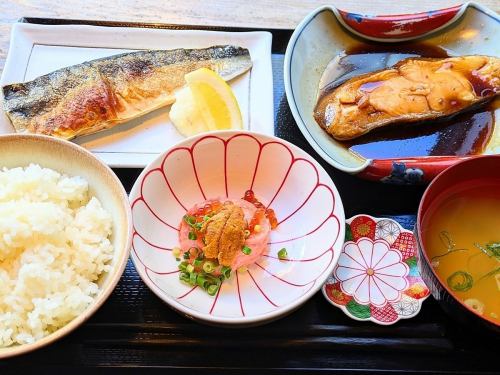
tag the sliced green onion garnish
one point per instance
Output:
(184, 276)
(206, 217)
(226, 272)
(178, 259)
(189, 268)
(246, 250)
(212, 289)
(208, 266)
(282, 254)
(183, 265)
(202, 281)
(212, 279)
(197, 262)
(460, 281)
(186, 255)
(192, 236)
(192, 278)
(190, 220)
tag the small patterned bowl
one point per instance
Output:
(226, 164)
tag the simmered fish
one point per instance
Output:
(414, 89)
(99, 94)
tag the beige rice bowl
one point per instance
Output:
(54, 246)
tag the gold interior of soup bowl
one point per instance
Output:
(471, 189)
(65, 157)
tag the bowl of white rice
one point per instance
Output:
(65, 235)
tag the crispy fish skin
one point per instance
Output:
(99, 94)
(414, 89)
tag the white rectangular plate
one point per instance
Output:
(39, 49)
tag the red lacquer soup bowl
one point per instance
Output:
(443, 210)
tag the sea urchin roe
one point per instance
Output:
(197, 220)
(229, 234)
(224, 234)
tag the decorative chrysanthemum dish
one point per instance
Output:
(235, 227)
(376, 277)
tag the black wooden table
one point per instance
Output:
(135, 330)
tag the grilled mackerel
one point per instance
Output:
(100, 94)
(414, 89)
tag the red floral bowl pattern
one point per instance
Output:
(376, 277)
(226, 164)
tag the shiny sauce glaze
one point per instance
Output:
(463, 134)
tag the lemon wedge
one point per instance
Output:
(186, 115)
(206, 103)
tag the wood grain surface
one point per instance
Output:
(283, 14)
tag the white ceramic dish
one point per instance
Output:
(39, 49)
(66, 157)
(226, 164)
(467, 29)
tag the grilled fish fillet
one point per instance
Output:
(99, 94)
(412, 90)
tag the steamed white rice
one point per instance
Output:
(54, 245)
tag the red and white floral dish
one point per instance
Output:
(376, 277)
(226, 164)
(467, 29)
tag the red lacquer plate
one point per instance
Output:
(468, 29)
(376, 277)
(224, 165)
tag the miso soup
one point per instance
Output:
(461, 235)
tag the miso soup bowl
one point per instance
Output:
(483, 167)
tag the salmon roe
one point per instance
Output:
(208, 209)
(261, 210)
(256, 219)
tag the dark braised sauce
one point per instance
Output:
(464, 134)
